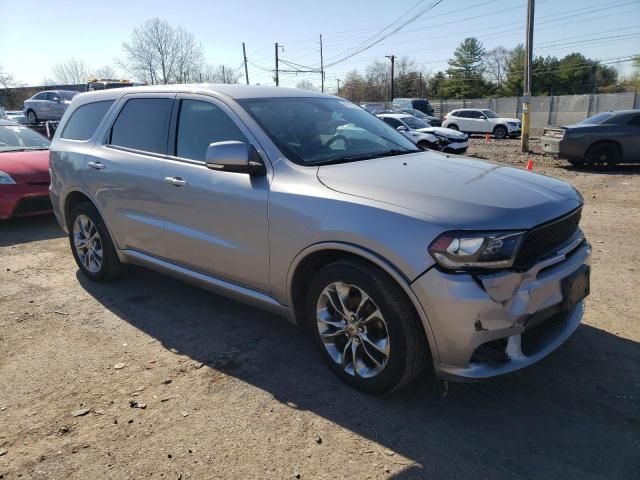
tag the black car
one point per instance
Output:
(606, 138)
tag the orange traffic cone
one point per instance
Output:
(530, 164)
(487, 137)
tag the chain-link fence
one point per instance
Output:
(557, 110)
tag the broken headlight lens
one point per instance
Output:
(468, 250)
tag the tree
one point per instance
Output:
(354, 87)
(437, 86)
(71, 72)
(495, 65)
(161, 54)
(306, 85)
(466, 69)
(107, 72)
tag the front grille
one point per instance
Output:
(543, 240)
(30, 205)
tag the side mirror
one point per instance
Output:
(234, 156)
(482, 117)
(57, 99)
(402, 128)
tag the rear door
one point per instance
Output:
(125, 172)
(216, 221)
(463, 121)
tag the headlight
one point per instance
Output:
(445, 140)
(513, 124)
(5, 179)
(468, 250)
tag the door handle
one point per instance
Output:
(96, 165)
(177, 181)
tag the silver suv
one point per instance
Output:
(398, 261)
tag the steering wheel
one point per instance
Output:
(334, 138)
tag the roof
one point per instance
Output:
(234, 91)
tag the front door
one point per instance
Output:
(216, 222)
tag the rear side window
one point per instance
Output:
(143, 124)
(201, 123)
(85, 120)
(474, 114)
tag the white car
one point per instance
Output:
(422, 134)
(472, 120)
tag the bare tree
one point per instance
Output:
(6, 79)
(71, 72)
(306, 85)
(160, 54)
(495, 62)
(107, 72)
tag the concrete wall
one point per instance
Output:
(557, 110)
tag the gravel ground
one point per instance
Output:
(232, 392)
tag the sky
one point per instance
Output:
(35, 35)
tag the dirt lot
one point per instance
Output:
(233, 392)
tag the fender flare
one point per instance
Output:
(388, 267)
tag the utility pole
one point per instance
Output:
(526, 119)
(338, 82)
(277, 79)
(246, 70)
(393, 61)
(420, 86)
(321, 67)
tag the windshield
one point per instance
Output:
(416, 113)
(310, 131)
(490, 114)
(68, 95)
(14, 138)
(599, 118)
(414, 122)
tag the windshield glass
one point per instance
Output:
(596, 119)
(490, 114)
(416, 113)
(414, 122)
(21, 138)
(68, 95)
(325, 130)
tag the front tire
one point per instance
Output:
(92, 246)
(365, 328)
(500, 132)
(453, 126)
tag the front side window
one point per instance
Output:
(143, 124)
(311, 131)
(16, 138)
(201, 123)
(394, 122)
(85, 120)
(474, 114)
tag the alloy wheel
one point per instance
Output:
(88, 244)
(353, 330)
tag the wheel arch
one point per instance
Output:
(609, 141)
(313, 258)
(501, 125)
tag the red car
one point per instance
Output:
(24, 171)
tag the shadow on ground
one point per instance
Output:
(574, 415)
(29, 229)
(623, 169)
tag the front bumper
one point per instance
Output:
(456, 148)
(23, 200)
(468, 314)
(514, 130)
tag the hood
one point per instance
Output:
(505, 119)
(23, 167)
(458, 191)
(445, 132)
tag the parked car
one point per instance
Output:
(373, 107)
(16, 116)
(396, 260)
(606, 138)
(421, 104)
(430, 119)
(473, 120)
(426, 136)
(47, 105)
(24, 171)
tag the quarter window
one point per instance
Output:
(143, 124)
(200, 124)
(85, 120)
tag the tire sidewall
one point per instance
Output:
(502, 129)
(108, 251)
(393, 371)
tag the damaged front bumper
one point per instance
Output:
(488, 325)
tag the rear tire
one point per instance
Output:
(603, 153)
(32, 118)
(92, 246)
(500, 132)
(387, 351)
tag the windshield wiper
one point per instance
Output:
(368, 156)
